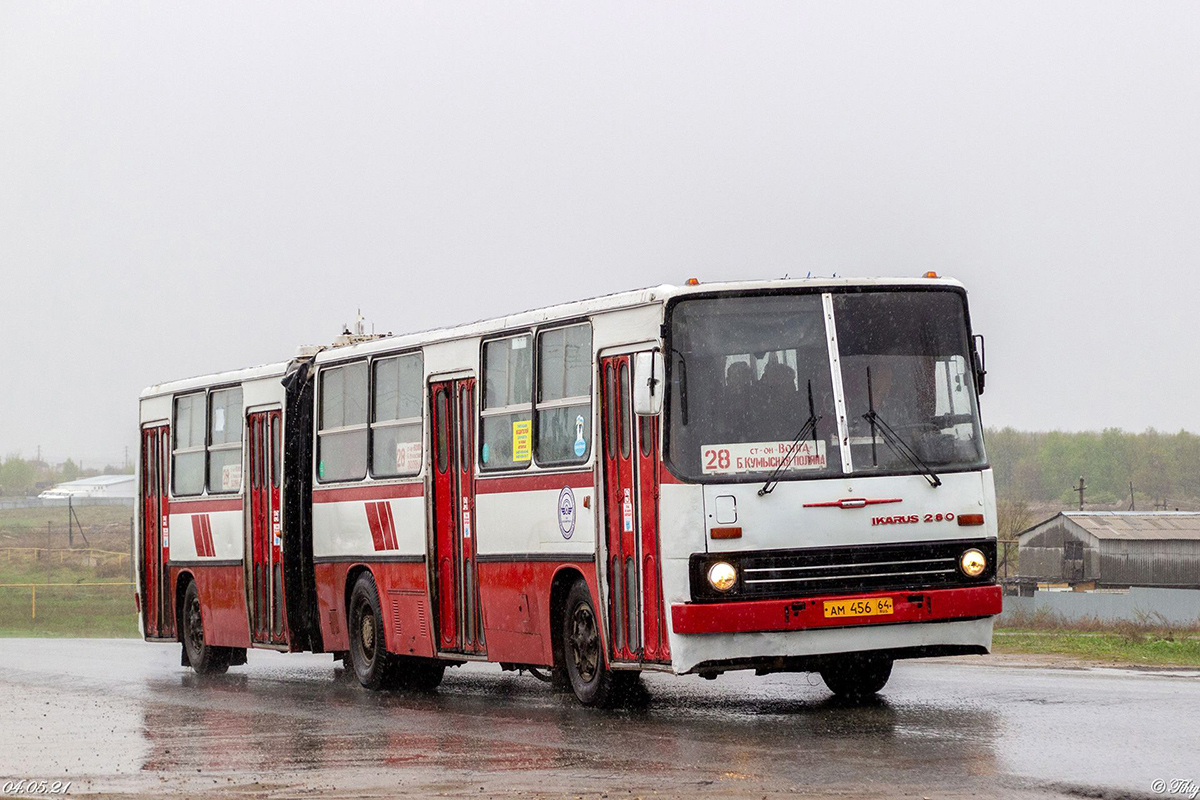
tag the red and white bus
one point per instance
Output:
(780, 476)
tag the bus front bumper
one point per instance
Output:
(750, 616)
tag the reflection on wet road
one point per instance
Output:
(122, 717)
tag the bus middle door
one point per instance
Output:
(453, 569)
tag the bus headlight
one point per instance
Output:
(722, 576)
(973, 563)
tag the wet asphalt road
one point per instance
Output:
(123, 718)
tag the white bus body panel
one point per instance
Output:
(341, 530)
(787, 518)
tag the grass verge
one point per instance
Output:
(1145, 649)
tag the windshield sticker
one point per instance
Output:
(733, 459)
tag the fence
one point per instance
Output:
(77, 556)
(1173, 606)
(61, 502)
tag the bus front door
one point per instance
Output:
(632, 467)
(158, 615)
(453, 569)
(264, 529)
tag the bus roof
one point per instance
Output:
(200, 381)
(525, 319)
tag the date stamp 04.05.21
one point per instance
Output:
(26, 788)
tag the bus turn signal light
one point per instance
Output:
(726, 533)
(970, 519)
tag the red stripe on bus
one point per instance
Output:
(534, 483)
(198, 533)
(206, 506)
(388, 491)
(389, 530)
(373, 523)
(206, 523)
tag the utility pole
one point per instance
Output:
(1080, 488)
(1132, 506)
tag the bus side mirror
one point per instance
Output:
(980, 363)
(647, 383)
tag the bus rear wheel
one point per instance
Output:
(373, 665)
(593, 683)
(205, 658)
(857, 677)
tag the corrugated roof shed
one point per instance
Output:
(1133, 525)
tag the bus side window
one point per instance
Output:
(564, 396)
(225, 440)
(397, 385)
(188, 452)
(342, 434)
(505, 408)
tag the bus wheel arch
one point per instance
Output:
(560, 587)
(181, 584)
(352, 576)
(198, 653)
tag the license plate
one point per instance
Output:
(858, 607)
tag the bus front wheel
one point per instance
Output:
(593, 683)
(857, 677)
(206, 659)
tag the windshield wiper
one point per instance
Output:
(894, 439)
(683, 397)
(810, 426)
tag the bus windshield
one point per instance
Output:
(748, 374)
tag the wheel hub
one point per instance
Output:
(584, 643)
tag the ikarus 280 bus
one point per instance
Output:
(771, 475)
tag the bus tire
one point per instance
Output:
(593, 683)
(373, 665)
(857, 677)
(206, 659)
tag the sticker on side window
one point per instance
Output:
(733, 459)
(231, 477)
(408, 456)
(522, 440)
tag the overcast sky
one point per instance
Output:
(187, 188)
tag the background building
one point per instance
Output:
(1113, 549)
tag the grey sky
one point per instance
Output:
(191, 188)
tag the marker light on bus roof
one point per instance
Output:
(931, 274)
(692, 282)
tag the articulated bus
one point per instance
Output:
(784, 476)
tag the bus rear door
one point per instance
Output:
(158, 615)
(264, 528)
